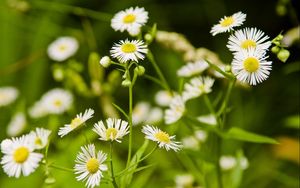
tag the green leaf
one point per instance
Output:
(121, 110)
(240, 134)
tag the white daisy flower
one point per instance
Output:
(227, 162)
(140, 112)
(162, 138)
(246, 38)
(115, 129)
(129, 50)
(38, 110)
(184, 180)
(228, 23)
(175, 110)
(8, 95)
(251, 66)
(62, 48)
(40, 137)
(76, 122)
(17, 124)
(131, 19)
(155, 115)
(89, 165)
(201, 135)
(163, 98)
(196, 87)
(208, 119)
(57, 101)
(190, 142)
(19, 157)
(192, 68)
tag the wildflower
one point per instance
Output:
(115, 129)
(38, 110)
(201, 135)
(8, 95)
(16, 125)
(62, 48)
(196, 87)
(192, 68)
(184, 180)
(57, 101)
(89, 165)
(140, 112)
(208, 119)
(228, 23)
(162, 138)
(244, 39)
(76, 122)
(131, 19)
(19, 157)
(163, 98)
(40, 137)
(175, 110)
(190, 142)
(155, 115)
(251, 66)
(105, 61)
(230, 162)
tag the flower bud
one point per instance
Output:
(275, 49)
(139, 70)
(148, 37)
(283, 55)
(227, 68)
(126, 83)
(105, 61)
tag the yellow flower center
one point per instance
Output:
(111, 133)
(62, 47)
(251, 64)
(92, 165)
(38, 141)
(162, 137)
(227, 21)
(128, 48)
(21, 154)
(76, 122)
(129, 18)
(57, 103)
(248, 43)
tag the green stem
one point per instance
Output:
(61, 168)
(130, 125)
(158, 71)
(111, 167)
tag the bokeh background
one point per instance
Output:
(271, 108)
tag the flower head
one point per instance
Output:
(163, 97)
(8, 95)
(115, 129)
(131, 19)
(251, 66)
(129, 50)
(19, 157)
(89, 165)
(140, 112)
(197, 86)
(192, 68)
(62, 48)
(76, 122)
(163, 139)
(175, 110)
(246, 38)
(40, 137)
(17, 124)
(228, 23)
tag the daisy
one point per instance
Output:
(76, 122)
(131, 19)
(38, 110)
(19, 157)
(184, 180)
(201, 135)
(192, 68)
(190, 142)
(197, 86)
(155, 115)
(17, 124)
(129, 50)
(208, 119)
(57, 101)
(163, 98)
(162, 138)
(244, 39)
(40, 137)
(115, 129)
(89, 165)
(251, 66)
(8, 95)
(228, 23)
(227, 162)
(62, 48)
(175, 110)
(140, 112)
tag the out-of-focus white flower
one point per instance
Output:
(208, 119)
(227, 23)
(62, 48)
(163, 98)
(192, 68)
(201, 135)
(105, 61)
(19, 157)
(38, 110)
(227, 162)
(40, 137)
(17, 124)
(57, 101)
(184, 180)
(129, 50)
(175, 110)
(196, 87)
(76, 122)
(162, 138)
(89, 165)
(140, 112)
(190, 142)
(155, 115)
(244, 164)
(251, 66)
(8, 95)
(131, 19)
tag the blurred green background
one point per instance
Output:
(25, 33)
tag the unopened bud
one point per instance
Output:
(227, 68)
(58, 74)
(275, 49)
(148, 37)
(139, 70)
(105, 61)
(283, 55)
(50, 180)
(126, 83)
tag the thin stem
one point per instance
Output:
(111, 167)
(158, 71)
(60, 168)
(130, 125)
